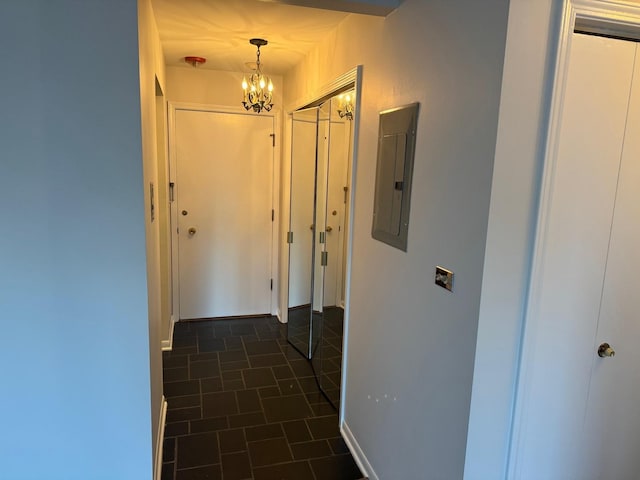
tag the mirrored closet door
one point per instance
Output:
(301, 228)
(321, 155)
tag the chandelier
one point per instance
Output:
(345, 107)
(258, 90)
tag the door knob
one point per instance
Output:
(185, 213)
(192, 231)
(329, 229)
(605, 350)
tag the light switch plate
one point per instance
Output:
(444, 278)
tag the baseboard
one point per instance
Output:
(357, 453)
(160, 440)
(168, 344)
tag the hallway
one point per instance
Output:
(243, 404)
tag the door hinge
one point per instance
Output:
(171, 185)
(321, 237)
(345, 189)
(273, 214)
(273, 139)
(324, 258)
(289, 237)
(271, 284)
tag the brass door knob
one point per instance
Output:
(192, 231)
(329, 229)
(605, 350)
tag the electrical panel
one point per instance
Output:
(396, 150)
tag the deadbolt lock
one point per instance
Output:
(185, 213)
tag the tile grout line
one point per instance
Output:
(263, 332)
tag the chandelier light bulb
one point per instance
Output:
(345, 106)
(257, 88)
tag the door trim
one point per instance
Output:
(614, 17)
(275, 115)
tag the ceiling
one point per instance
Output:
(219, 30)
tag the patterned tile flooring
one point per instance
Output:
(244, 404)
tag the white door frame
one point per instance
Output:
(621, 18)
(275, 114)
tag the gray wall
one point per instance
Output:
(411, 344)
(75, 353)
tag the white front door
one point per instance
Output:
(577, 414)
(224, 185)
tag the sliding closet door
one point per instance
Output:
(320, 251)
(301, 227)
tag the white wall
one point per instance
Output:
(411, 344)
(75, 333)
(212, 87)
(152, 67)
(522, 127)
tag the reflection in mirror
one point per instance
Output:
(320, 159)
(321, 253)
(337, 187)
(303, 166)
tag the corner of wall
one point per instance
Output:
(358, 454)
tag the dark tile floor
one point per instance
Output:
(244, 404)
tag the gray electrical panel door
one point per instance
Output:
(396, 149)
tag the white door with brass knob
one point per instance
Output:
(577, 413)
(223, 185)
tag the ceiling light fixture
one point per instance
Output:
(258, 90)
(345, 107)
